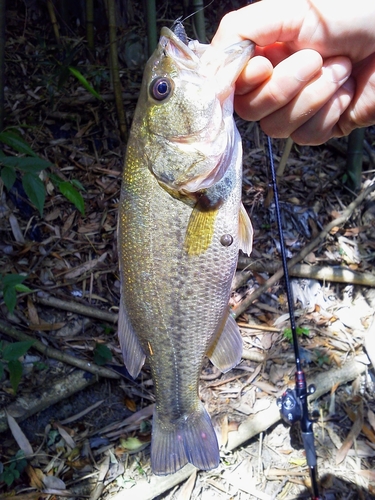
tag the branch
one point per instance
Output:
(77, 308)
(338, 274)
(51, 352)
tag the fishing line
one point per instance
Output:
(293, 403)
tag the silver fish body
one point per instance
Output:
(181, 224)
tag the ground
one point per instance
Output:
(94, 439)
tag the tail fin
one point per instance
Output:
(190, 439)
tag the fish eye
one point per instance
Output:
(160, 88)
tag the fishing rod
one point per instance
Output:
(293, 403)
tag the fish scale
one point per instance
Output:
(175, 271)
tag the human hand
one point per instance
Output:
(313, 75)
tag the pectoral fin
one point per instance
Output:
(225, 353)
(132, 352)
(200, 231)
(245, 232)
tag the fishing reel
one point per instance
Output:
(291, 406)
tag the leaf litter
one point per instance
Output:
(95, 442)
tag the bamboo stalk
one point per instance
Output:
(198, 18)
(152, 36)
(115, 72)
(354, 158)
(2, 60)
(52, 15)
(90, 24)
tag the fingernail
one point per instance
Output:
(337, 73)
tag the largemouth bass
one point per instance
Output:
(181, 223)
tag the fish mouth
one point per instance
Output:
(177, 49)
(226, 64)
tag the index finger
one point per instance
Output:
(264, 23)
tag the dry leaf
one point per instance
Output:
(187, 488)
(53, 482)
(353, 434)
(33, 313)
(85, 267)
(68, 223)
(46, 327)
(17, 233)
(365, 428)
(64, 433)
(371, 418)
(36, 477)
(19, 436)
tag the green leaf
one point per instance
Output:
(15, 372)
(23, 289)
(16, 142)
(102, 354)
(84, 82)
(77, 184)
(1, 370)
(12, 280)
(10, 297)
(26, 164)
(8, 175)
(34, 188)
(72, 195)
(7, 476)
(17, 349)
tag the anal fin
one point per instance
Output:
(226, 351)
(132, 352)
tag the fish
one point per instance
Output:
(180, 226)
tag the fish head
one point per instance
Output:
(186, 105)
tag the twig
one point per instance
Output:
(337, 274)
(56, 354)
(305, 251)
(287, 149)
(75, 307)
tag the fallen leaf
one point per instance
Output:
(371, 418)
(31, 309)
(19, 436)
(36, 477)
(53, 482)
(85, 267)
(187, 488)
(353, 434)
(64, 433)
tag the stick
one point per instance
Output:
(77, 308)
(28, 404)
(337, 274)
(51, 352)
(237, 311)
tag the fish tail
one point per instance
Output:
(191, 439)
